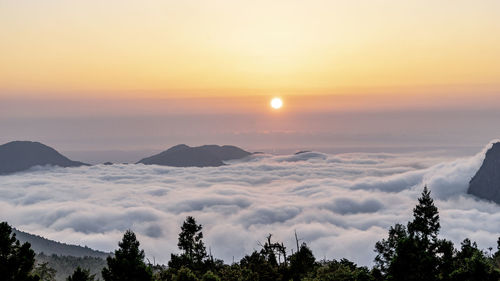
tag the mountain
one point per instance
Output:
(18, 156)
(486, 183)
(50, 247)
(201, 156)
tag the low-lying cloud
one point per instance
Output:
(339, 204)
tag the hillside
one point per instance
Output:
(50, 247)
(202, 156)
(486, 182)
(18, 156)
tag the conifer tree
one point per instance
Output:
(128, 262)
(16, 260)
(190, 241)
(425, 225)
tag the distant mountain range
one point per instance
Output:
(486, 182)
(201, 156)
(19, 156)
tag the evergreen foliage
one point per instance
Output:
(81, 275)
(16, 260)
(128, 262)
(44, 271)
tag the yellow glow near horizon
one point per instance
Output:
(224, 47)
(276, 103)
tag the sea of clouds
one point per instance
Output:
(339, 204)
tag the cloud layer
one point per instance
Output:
(339, 204)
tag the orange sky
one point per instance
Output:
(221, 48)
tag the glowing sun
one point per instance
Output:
(276, 103)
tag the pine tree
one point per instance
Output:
(128, 262)
(16, 260)
(425, 225)
(190, 241)
(414, 253)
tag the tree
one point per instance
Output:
(343, 270)
(128, 262)
(16, 260)
(386, 249)
(194, 255)
(425, 225)
(210, 276)
(81, 275)
(185, 274)
(472, 264)
(301, 262)
(190, 241)
(44, 271)
(415, 253)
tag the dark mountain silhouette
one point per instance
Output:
(50, 247)
(201, 156)
(486, 183)
(18, 156)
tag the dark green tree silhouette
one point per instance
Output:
(128, 262)
(81, 275)
(301, 262)
(16, 260)
(190, 241)
(472, 264)
(425, 225)
(260, 266)
(386, 249)
(194, 254)
(415, 253)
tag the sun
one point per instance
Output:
(276, 103)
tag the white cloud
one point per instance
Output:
(339, 204)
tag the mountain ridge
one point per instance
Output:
(46, 246)
(486, 182)
(182, 155)
(17, 156)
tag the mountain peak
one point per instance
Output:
(18, 156)
(201, 156)
(486, 182)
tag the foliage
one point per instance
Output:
(190, 241)
(16, 260)
(210, 276)
(81, 275)
(44, 271)
(302, 262)
(185, 274)
(128, 262)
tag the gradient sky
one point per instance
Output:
(225, 47)
(333, 62)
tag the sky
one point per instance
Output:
(339, 204)
(92, 77)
